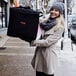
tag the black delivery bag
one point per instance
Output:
(23, 23)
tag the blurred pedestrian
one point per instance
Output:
(16, 3)
(52, 29)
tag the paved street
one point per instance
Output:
(15, 58)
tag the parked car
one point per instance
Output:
(70, 18)
(73, 30)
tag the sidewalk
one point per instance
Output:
(16, 58)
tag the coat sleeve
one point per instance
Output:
(51, 39)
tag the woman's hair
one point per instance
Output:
(60, 22)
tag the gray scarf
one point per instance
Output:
(50, 23)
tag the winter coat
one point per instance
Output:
(45, 56)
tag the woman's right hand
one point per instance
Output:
(32, 43)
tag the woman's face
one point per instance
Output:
(54, 13)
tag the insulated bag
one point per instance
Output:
(23, 23)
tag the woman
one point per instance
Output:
(52, 29)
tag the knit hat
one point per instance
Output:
(59, 6)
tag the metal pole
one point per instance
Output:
(36, 5)
(67, 41)
(6, 19)
(2, 13)
(66, 26)
(6, 12)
